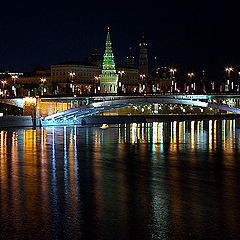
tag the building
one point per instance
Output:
(109, 76)
(162, 79)
(130, 59)
(35, 77)
(143, 58)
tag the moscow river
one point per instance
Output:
(160, 180)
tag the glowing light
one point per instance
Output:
(30, 99)
(229, 69)
(191, 74)
(72, 74)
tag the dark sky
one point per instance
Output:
(189, 34)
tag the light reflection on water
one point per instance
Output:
(159, 180)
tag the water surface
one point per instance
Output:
(161, 180)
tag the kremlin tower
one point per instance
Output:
(143, 59)
(130, 59)
(109, 76)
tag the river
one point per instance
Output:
(161, 180)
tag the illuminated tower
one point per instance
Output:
(109, 77)
(130, 58)
(143, 59)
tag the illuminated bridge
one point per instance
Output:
(75, 115)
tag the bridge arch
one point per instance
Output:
(75, 115)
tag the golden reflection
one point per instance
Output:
(215, 134)
(15, 182)
(133, 133)
(161, 132)
(173, 145)
(31, 171)
(155, 132)
(192, 134)
(198, 134)
(230, 142)
(210, 135)
(180, 126)
(224, 134)
(44, 174)
(4, 173)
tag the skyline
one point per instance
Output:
(193, 36)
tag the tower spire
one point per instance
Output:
(109, 77)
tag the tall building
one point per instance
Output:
(109, 76)
(130, 58)
(143, 59)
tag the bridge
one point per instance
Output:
(76, 115)
(73, 110)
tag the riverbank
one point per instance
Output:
(16, 121)
(27, 121)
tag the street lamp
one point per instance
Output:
(190, 75)
(228, 70)
(121, 73)
(72, 74)
(120, 83)
(97, 78)
(14, 77)
(142, 76)
(43, 80)
(3, 83)
(172, 71)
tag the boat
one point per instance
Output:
(104, 126)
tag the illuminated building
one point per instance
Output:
(34, 77)
(109, 76)
(162, 78)
(143, 59)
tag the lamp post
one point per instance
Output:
(120, 83)
(97, 80)
(43, 89)
(190, 75)
(3, 84)
(228, 71)
(14, 77)
(173, 83)
(72, 75)
(142, 76)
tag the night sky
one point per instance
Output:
(189, 35)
